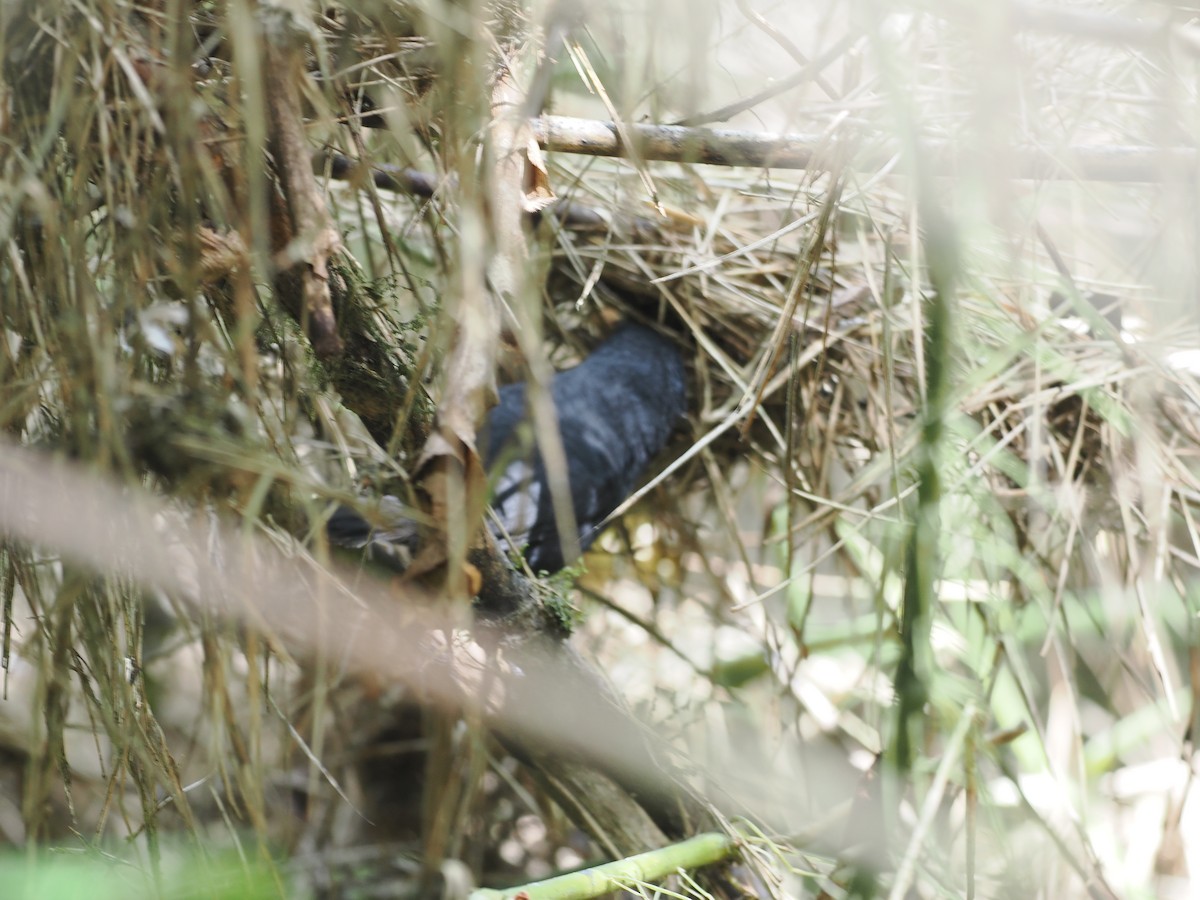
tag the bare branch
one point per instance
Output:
(727, 147)
(307, 218)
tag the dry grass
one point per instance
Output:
(956, 553)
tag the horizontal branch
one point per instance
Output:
(726, 147)
(403, 180)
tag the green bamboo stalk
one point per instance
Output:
(654, 865)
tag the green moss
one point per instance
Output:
(557, 588)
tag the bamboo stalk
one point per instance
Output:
(702, 850)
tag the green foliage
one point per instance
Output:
(64, 876)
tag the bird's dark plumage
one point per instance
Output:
(615, 411)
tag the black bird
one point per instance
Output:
(615, 411)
